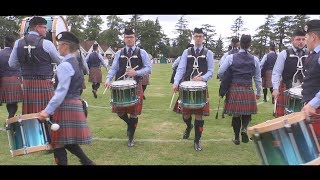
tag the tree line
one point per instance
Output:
(152, 38)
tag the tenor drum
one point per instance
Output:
(124, 93)
(26, 134)
(294, 103)
(193, 94)
(55, 25)
(287, 140)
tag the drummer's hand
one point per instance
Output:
(43, 115)
(131, 72)
(174, 88)
(197, 78)
(308, 110)
(275, 93)
(257, 96)
(107, 84)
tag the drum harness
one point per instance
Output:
(295, 82)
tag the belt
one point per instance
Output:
(37, 77)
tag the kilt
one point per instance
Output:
(282, 100)
(73, 124)
(36, 95)
(315, 121)
(240, 100)
(205, 111)
(95, 75)
(134, 109)
(266, 80)
(10, 89)
(145, 79)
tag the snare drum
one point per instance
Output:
(26, 134)
(124, 93)
(294, 103)
(55, 25)
(193, 94)
(287, 140)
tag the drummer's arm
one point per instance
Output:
(224, 66)
(103, 62)
(210, 71)
(52, 50)
(114, 68)
(181, 67)
(278, 69)
(257, 76)
(13, 59)
(147, 68)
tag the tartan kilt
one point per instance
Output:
(240, 100)
(95, 75)
(266, 80)
(145, 79)
(10, 89)
(36, 95)
(315, 121)
(73, 124)
(282, 100)
(205, 111)
(134, 109)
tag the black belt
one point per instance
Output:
(37, 77)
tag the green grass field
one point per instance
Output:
(158, 136)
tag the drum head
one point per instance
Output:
(127, 82)
(193, 84)
(295, 91)
(59, 25)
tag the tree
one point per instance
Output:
(76, 24)
(209, 33)
(299, 22)
(282, 31)
(151, 35)
(185, 35)
(93, 27)
(218, 49)
(237, 27)
(9, 25)
(111, 36)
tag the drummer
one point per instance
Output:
(311, 82)
(140, 65)
(240, 99)
(203, 73)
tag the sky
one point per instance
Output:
(221, 23)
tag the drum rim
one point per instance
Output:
(201, 84)
(31, 149)
(22, 117)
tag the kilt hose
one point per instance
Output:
(282, 100)
(10, 89)
(145, 79)
(134, 109)
(36, 95)
(240, 100)
(95, 75)
(73, 124)
(205, 111)
(266, 80)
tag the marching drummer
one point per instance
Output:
(130, 62)
(196, 63)
(34, 55)
(285, 68)
(240, 99)
(311, 82)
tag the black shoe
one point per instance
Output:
(128, 131)
(244, 137)
(265, 100)
(88, 163)
(236, 141)
(144, 97)
(186, 133)
(95, 93)
(197, 146)
(130, 142)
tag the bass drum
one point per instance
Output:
(55, 25)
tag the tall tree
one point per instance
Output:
(209, 33)
(135, 23)
(185, 34)
(299, 22)
(111, 36)
(150, 36)
(76, 24)
(9, 25)
(282, 31)
(93, 27)
(237, 27)
(218, 49)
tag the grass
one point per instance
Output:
(158, 135)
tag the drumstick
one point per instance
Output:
(126, 72)
(172, 100)
(275, 106)
(105, 90)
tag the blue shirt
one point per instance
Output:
(183, 64)
(103, 62)
(146, 69)
(48, 47)
(64, 72)
(257, 75)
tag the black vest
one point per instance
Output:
(134, 62)
(243, 68)
(94, 61)
(40, 62)
(6, 70)
(311, 83)
(202, 63)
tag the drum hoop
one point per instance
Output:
(23, 118)
(276, 123)
(33, 149)
(313, 162)
(22, 25)
(202, 85)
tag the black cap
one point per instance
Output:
(197, 30)
(298, 32)
(37, 20)
(312, 25)
(128, 31)
(68, 37)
